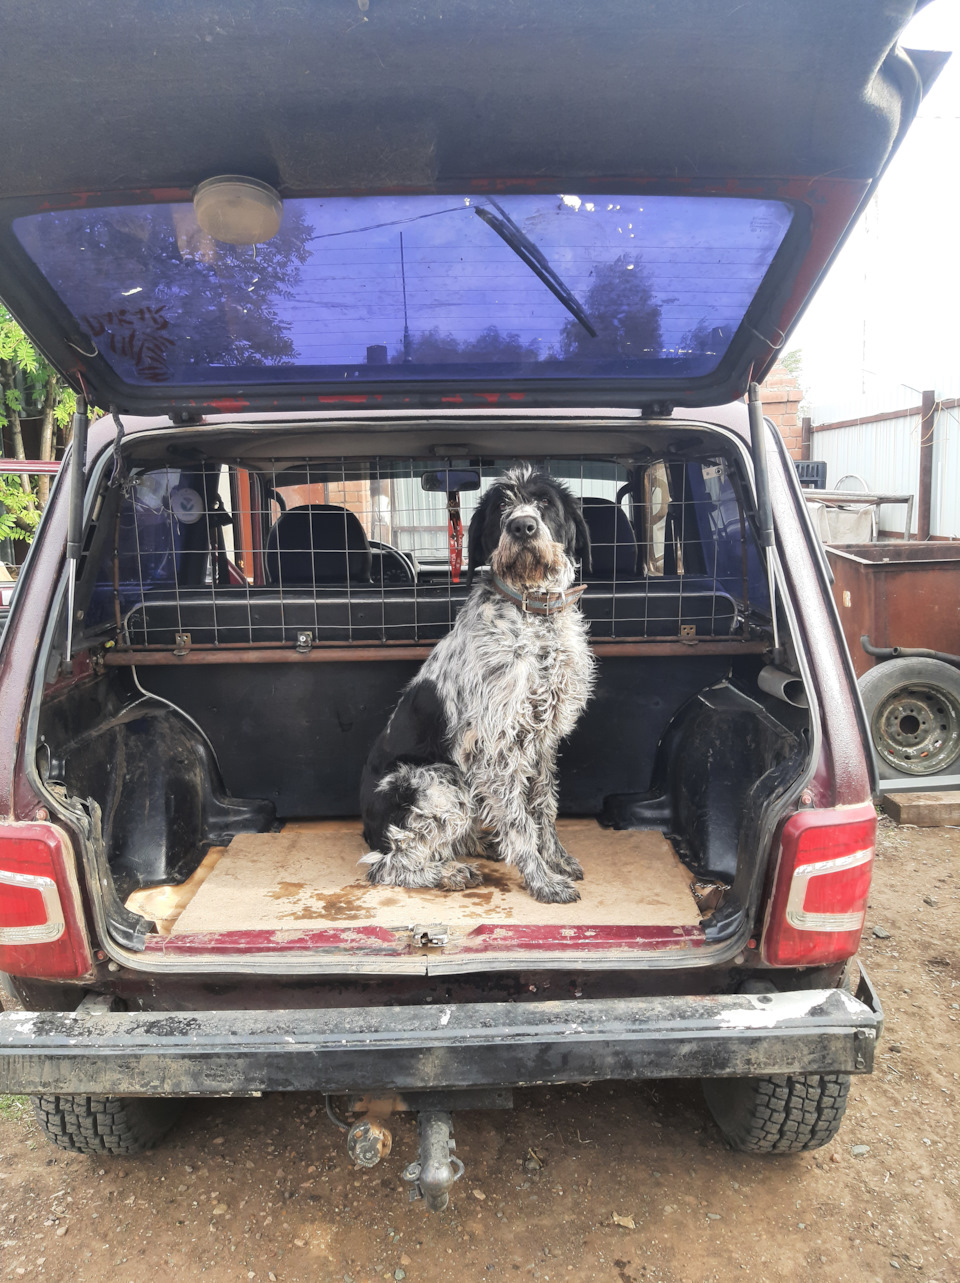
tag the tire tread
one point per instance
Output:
(119, 1125)
(780, 1113)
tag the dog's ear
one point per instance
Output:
(577, 542)
(476, 554)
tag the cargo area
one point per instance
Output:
(251, 616)
(305, 881)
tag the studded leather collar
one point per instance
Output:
(538, 602)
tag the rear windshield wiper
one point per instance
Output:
(525, 249)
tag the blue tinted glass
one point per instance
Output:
(415, 287)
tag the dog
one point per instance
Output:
(466, 767)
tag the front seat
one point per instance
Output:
(319, 543)
(613, 545)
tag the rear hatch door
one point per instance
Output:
(551, 204)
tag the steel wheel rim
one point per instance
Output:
(916, 729)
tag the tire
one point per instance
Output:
(105, 1124)
(913, 709)
(779, 1114)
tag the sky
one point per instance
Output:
(886, 322)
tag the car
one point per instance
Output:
(328, 274)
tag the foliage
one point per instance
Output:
(430, 347)
(26, 384)
(157, 296)
(30, 388)
(621, 307)
(792, 361)
(19, 513)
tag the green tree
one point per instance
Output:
(157, 296)
(29, 388)
(621, 308)
(430, 347)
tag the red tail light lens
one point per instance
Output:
(820, 893)
(41, 928)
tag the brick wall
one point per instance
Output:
(780, 395)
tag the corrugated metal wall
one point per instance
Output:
(886, 455)
(945, 499)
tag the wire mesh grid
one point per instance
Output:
(312, 553)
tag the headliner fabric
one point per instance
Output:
(315, 94)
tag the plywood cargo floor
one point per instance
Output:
(308, 876)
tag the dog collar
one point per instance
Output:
(538, 602)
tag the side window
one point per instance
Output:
(174, 530)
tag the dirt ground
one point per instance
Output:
(263, 1190)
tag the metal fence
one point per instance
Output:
(884, 450)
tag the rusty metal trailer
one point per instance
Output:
(899, 606)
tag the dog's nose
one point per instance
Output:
(521, 527)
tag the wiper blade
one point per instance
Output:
(528, 253)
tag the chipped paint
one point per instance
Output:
(766, 1011)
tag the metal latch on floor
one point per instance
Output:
(181, 643)
(435, 934)
(304, 643)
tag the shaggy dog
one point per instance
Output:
(466, 766)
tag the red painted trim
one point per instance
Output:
(29, 467)
(382, 942)
(351, 940)
(499, 939)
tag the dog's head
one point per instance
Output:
(530, 529)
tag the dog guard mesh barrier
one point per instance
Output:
(311, 553)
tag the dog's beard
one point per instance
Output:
(534, 563)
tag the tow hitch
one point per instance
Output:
(436, 1169)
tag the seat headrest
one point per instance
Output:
(318, 543)
(613, 545)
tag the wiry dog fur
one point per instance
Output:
(466, 765)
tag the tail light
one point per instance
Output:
(820, 892)
(41, 925)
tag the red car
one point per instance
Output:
(328, 275)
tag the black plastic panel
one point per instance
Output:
(299, 735)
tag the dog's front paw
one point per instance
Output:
(565, 864)
(458, 877)
(554, 890)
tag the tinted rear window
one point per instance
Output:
(414, 287)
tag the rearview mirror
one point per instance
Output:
(450, 480)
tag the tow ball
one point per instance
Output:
(433, 1174)
(437, 1168)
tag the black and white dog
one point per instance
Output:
(466, 766)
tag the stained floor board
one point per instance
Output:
(308, 875)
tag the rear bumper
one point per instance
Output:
(225, 1053)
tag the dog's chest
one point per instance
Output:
(534, 677)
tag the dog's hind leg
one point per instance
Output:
(422, 848)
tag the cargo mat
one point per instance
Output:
(307, 877)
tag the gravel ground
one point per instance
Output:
(619, 1183)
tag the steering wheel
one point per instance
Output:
(395, 567)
